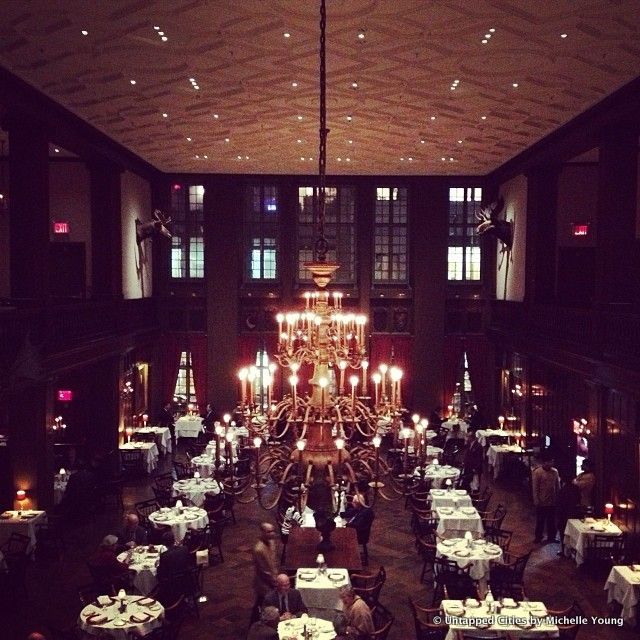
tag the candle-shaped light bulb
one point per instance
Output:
(339, 444)
(257, 442)
(196, 475)
(377, 441)
(227, 418)
(415, 418)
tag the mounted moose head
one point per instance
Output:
(153, 228)
(491, 224)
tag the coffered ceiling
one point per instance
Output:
(446, 86)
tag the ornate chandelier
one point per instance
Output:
(321, 432)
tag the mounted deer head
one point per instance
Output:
(153, 228)
(491, 224)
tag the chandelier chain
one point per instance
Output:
(321, 243)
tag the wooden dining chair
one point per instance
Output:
(424, 622)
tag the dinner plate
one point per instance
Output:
(161, 518)
(461, 492)
(437, 492)
(597, 527)
(539, 613)
(118, 623)
(455, 611)
(462, 553)
(447, 511)
(468, 510)
(472, 602)
(336, 577)
(448, 543)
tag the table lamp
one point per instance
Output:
(608, 509)
(21, 496)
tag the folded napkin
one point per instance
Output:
(635, 567)
(96, 618)
(104, 601)
(145, 602)
(140, 618)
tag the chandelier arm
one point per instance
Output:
(307, 479)
(332, 478)
(269, 505)
(351, 473)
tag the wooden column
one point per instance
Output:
(616, 221)
(31, 446)
(29, 210)
(540, 269)
(428, 259)
(222, 236)
(106, 229)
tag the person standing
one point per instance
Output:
(473, 461)
(586, 482)
(208, 418)
(546, 487)
(167, 419)
(265, 567)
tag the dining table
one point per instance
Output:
(449, 424)
(623, 586)
(294, 629)
(149, 453)
(143, 561)
(483, 434)
(319, 589)
(188, 427)
(450, 498)
(180, 519)
(121, 618)
(196, 489)
(496, 454)
(578, 531)
(437, 473)
(452, 521)
(478, 554)
(162, 436)
(527, 619)
(25, 522)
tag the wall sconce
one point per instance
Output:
(58, 424)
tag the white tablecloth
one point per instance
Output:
(295, 627)
(454, 498)
(149, 453)
(195, 490)
(119, 625)
(145, 565)
(188, 427)
(163, 437)
(576, 533)
(623, 586)
(481, 555)
(496, 454)
(210, 449)
(438, 474)
(308, 519)
(25, 525)
(449, 424)
(456, 520)
(322, 591)
(180, 523)
(530, 613)
(483, 434)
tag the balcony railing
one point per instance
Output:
(606, 333)
(52, 329)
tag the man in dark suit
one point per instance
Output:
(131, 534)
(175, 560)
(208, 418)
(360, 517)
(473, 460)
(167, 419)
(266, 627)
(288, 601)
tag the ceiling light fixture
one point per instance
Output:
(294, 84)
(216, 116)
(354, 85)
(433, 117)
(84, 32)
(188, 139)
(563, 35)
(286, 34)
(515, 85)
(492, 30)
(483, 117)
(132, 81)
(165, 115)
(349, 118)
(361, 34)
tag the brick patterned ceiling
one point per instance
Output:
(244, 66)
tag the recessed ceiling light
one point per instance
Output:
(157, 28)
(453, 87)
(192, 80)
(348, 159)
(164, 38)
(298, 140)
(302, 158)
(401, 159)
(239, 157)
(450, 159)
(459, 141)
(483, 117)
(350, 141)
(226, 140)
(492, 30)
(339, 159)
(349, 118)
(132, 81)
(206, 157)
(563, 35)
(216, 116)
(354, 85)
(443, 159)
(165, 115)
(410, 159)
(433, 117)
(299, 117)
(84, 32)
(286, 34)
(188, 139)
(196, 87)
(160, 33)
(515, 85)
(487, 36)
(484, 41)
(310, 158)
(421, 141)
(361, 34)
(56, 150)
(197, 156)
(294, 84)
(246, 157)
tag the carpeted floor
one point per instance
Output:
(52, 597)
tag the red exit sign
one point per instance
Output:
(65, 395)
(580, 228)
(60, 227)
